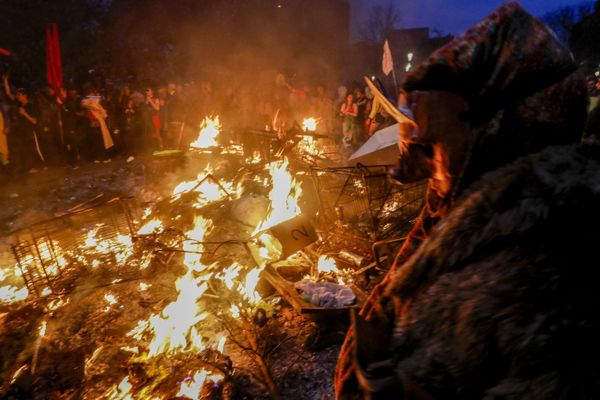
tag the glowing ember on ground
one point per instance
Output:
(110, 299)
(10, 294)
(192, 387)
(42, 329)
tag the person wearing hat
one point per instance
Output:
(492, 292)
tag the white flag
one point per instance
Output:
(387, 64)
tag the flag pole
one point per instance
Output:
(396, 89)
(387, 65)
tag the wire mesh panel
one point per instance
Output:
(318, 150)
(401, 209)
(364, 197)
(94, 235)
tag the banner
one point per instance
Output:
(387, 64)
(53, 61)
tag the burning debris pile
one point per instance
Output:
(175, 298)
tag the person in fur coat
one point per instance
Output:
(492, 295)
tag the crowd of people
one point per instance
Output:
(67, 126)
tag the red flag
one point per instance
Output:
(5, 52)
(53, 61)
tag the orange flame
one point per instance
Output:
(309, 124)
(209, 130)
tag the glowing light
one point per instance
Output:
(229, 274)
(309, 124)
(235, 311)
(150, 227)
(174, 329)
(42, 329)
(121, 391)
(249, 289)
(18, 373)
(192, 387)
(207, 190)
(209, 130)
(11, 294)
(110, 299)
(221, 344)
(327, 264)
(284, 195)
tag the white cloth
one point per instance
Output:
(92, 104)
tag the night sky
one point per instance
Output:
(450, 16)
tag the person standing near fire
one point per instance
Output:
(99, 140)
(22, 141)
(152, 120)
(349, 113)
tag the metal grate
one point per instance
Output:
(43, 251)
(365, 198)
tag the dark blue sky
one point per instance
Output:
(450, 16)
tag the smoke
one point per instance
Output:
(228, 42)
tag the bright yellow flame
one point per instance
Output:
(110, 299)
(221, 344)
(42, 329)
(208, 190)
(11, 294)
(209, 130)
(309, 145)
(153, 226)
(57, 303)
(192, 388)
(284, 196)
(229, 274)
(174, 329)
(255, 159)
(265, 248)
(327, 264)
(121, 392)
(309, 124)
(90, 239)
(121, 247)
(249, 289)
(235, 311)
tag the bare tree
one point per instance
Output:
(563, 19)
(379, 20)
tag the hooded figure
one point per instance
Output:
(491, 295)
